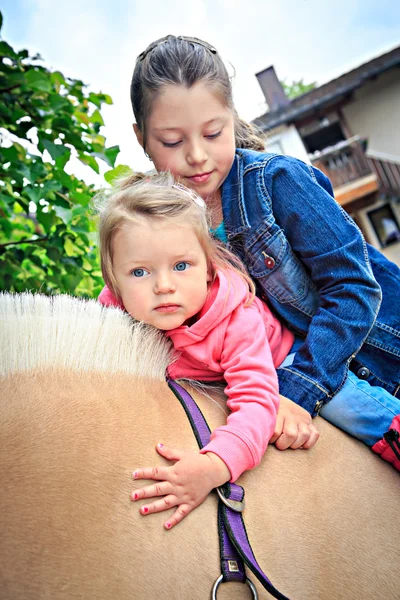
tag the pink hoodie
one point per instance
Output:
(242, 345)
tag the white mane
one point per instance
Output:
(38, 331)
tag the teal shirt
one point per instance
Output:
(220, 233)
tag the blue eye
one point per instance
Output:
(139, 272)
(181, 266)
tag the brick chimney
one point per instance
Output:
(272, 89)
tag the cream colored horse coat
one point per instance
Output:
(84, 401)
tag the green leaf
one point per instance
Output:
(97, 118)
(89, 160)
(58, 102)
(6, 50)
(69, 247)
(117, 173)
(111, 154)
(38, 80)
(57, 78)
(58, 152)
(54, 254)
(46, 219)
(34, 193)
(65, 214)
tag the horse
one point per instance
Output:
(84, 403)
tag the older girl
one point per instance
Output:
(305, 254)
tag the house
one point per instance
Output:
(350, 129)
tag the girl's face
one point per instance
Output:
(161, 271)
(191, 134)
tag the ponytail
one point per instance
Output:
(248, 136)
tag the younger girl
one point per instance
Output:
(161, 264)
(305, 254)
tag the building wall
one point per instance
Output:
(286, 140)
(374, 113)
(391, 252)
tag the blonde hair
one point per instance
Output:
(159, 198)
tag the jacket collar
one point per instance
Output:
(233, 207)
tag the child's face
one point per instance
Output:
(161, 271)
(190, 133)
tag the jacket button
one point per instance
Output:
(269, 261)
(318, 406)
(363, 373)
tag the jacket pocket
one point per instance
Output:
(278, 271)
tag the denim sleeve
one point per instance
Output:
(331, 246)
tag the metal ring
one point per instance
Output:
(236, 505)
(219, 581)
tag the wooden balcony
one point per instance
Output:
(387, 169)
(349, 171)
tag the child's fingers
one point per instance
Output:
(303, 434)
(182, 511)
(170, 453)
(313, 439)
(160, 505)
(160, 473)
(278, 429)
(288, 436)
(152, 491)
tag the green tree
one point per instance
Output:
(297, 88)
(47, 236)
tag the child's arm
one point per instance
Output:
(184, 485)
(294, 428)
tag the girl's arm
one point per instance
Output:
(252, 393)
(331, 247)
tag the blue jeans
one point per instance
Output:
(364, 411)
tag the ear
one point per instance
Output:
(209, 274)
(138, 133)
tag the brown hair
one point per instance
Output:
(159, 198)
(185, 61)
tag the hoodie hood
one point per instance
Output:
(227, 292)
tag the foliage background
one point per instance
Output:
(47, 231)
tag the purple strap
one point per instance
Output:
(234, 543)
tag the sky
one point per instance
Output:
(98, 41)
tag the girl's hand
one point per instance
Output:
(186, 484)
(294, 428)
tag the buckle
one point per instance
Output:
(235, 505)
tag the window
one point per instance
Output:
(385, 224)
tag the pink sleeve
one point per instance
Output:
(252, 390)
(107, 298)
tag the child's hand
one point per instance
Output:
(186, 484)
(294, 428)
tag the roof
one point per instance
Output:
(329, 92)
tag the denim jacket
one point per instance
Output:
(311, 264)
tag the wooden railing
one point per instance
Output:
(344, 162)
(388, 173)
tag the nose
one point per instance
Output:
(197, 153)
(164, 284)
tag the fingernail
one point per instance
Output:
(145, 510)
(134, 474)
(168, 525)
(161, 445)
